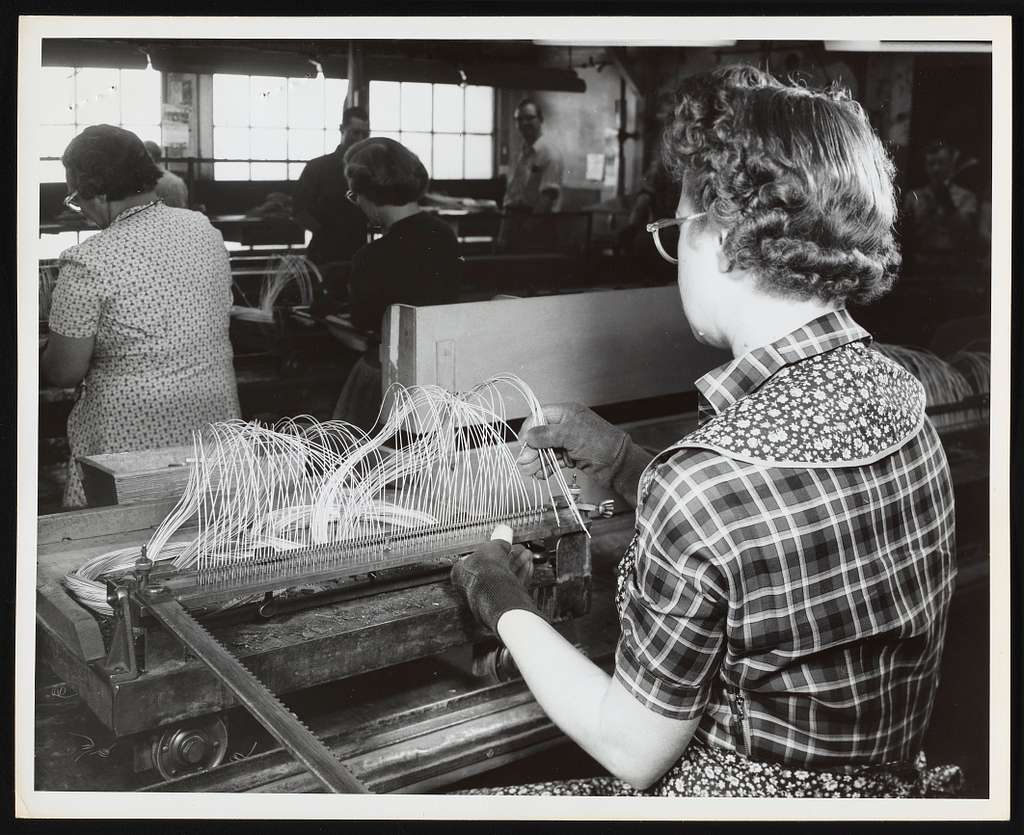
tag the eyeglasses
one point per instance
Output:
(352, 197)
(71, 201)
(656, 227)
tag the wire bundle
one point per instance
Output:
(438, 463)
(976, 366)
(288, 270)
(943, 383)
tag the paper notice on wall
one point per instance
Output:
(175, 129)
(179, 89)
(611, 158)
(595, 167)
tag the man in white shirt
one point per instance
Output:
(535, 184)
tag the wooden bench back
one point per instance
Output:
(596, 347)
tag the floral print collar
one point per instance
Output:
(723, 386)
(818, 397)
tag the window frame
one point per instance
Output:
(287, 161)
(432, 133)
(77, 126)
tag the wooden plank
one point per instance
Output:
(136, 476)
(69, 621)
(101, 521)
(597, 347)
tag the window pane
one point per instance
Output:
(140, 97)
(269, 103)
(231, 143)
(231, 171)
(384, 97)
(295, 170)
(85, 234)
(480, 109)
(231, 100)
(145, 132)
(58, 96)
(51, 171)
(335, 90)
(479, 157)
(51, 246)
(448, 107)
(268, 143)
(388, 134)
(269, 171)
(306, 103)
(419, 144)
(98, 96)
(332, 138)
(305, 144)
(447, 156)
(416, 100)
(53, 139)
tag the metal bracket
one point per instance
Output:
(120, 664)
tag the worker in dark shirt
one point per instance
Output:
(338, 227)
(415, 261)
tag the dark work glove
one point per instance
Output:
(491, 580)
(583, 440)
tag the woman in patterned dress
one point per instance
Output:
(783, 602)
(139, 319)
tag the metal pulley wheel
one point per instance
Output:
(190, 748)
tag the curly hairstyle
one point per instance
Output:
(104, 159)
(385, 172)
(797, 178)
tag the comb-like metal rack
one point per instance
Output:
(169, 597)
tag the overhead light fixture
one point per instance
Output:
(908, 46)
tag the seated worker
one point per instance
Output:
(415, 261)
(940, 218)
(170, 187)
(783, 602)
(140, 311)
(656, 198)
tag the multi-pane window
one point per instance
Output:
(448, 126)
(272, 125)
(76, 97)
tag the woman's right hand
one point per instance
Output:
(579, 437)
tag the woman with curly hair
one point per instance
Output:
(783, 601)
(139, 318)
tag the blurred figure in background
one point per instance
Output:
(170, 187)
(534, 187)
(656, 198)
(941, 217)
(338, 227)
